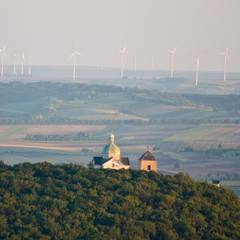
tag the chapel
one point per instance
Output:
(111, 157)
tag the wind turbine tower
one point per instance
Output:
(135, 64)
(29, 67)
(226, 60)
(172, 60)
(22, 63)
(2, 52)
(74, 56)
(197, 71)
(122, 54)
(14, 64)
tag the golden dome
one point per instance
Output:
(111, 149)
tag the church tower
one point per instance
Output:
(111, 157)
(147, 162)
(111, 150)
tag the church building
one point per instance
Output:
(111, 157)
(147, 162)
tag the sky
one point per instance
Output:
(49, 30)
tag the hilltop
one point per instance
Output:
(72, 202)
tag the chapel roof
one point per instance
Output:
(147, 156)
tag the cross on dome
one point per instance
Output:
(112, 138)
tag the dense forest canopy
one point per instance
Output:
(45, 201)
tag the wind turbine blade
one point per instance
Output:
(76, 54)
(198, 60)
(227, 52)
(172, 51)
(123, 50)
(3, 49)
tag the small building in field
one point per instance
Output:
(147, 162)
(111, 157)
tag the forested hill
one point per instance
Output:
(44, 201)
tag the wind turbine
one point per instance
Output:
(14, 64)
(29, 67)
(2, 52)
(122, 54)
(172, 61)
(226, 59)
(74, 56)
(197, 70)
(22, 63)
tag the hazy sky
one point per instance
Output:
(49, 30)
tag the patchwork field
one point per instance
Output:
(70, 122)
(18, 132)
(168, 141)
(130, 135)
(210, 135)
